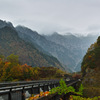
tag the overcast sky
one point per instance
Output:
(46, 16)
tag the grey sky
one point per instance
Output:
(46, 16)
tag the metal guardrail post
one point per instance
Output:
(51, 85)
(23, 94)
(9, 95)
(43, 87)
(47, 86)
(32, 91)
(39, 88)
(57, 84)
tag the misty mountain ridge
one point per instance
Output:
(83, 34)
(77, 45)
(4, 23)
(11, 43)
(52, 48)
(68, 49)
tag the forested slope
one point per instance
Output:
(11, 43)
(91, 70)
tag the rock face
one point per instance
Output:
(91, 70)
(68, 49)
(11, 43)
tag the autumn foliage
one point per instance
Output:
(12, 70)
(42, 94)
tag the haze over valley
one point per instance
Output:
(67, 50)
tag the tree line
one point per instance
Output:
(12, 70)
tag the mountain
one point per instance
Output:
(68, 49)
(32, 37)
(4, 23)
(52, 48)
(11, 43)
(91, 70)
(77, 45)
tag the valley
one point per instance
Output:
(27, 55)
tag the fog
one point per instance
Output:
(47, 16)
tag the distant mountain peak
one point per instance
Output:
(68, 33)
(5, 23)
(55, 33)
(25, 29)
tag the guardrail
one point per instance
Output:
(4, 84)
(22, 90)
(19, 90)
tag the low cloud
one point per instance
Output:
(46, 16)
(94, 28)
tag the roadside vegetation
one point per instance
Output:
(62, 90)
(12, 70)
(91, 70)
